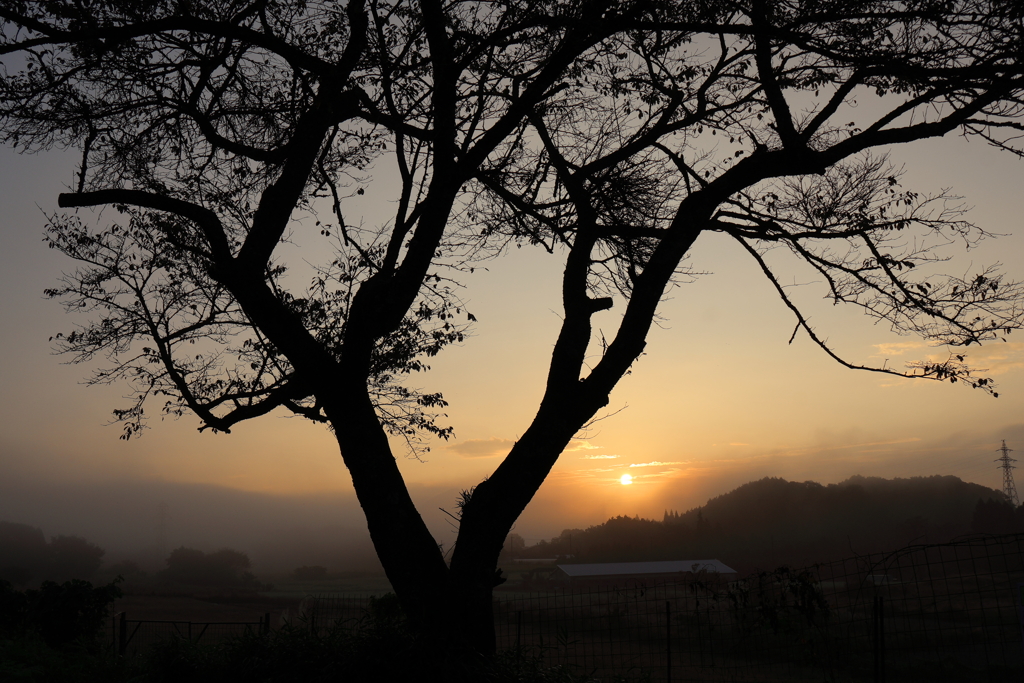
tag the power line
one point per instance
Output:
(1009, 488)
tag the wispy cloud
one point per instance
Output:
(600, 457)
(997, 359)
(991, 359)
(482, 448)
(656, 463)
(580, 445)
(891, 349)
(866, 447)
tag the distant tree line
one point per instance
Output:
(997, 516)
(25, 555)
(772, 522)
(27, 558)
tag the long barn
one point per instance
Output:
(617, 571)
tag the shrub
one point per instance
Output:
(73, 557)
(60, 614)
(135, 578)
(23, 552)
(224, 568)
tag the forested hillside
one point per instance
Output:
(772, 522)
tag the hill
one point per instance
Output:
(771, 522)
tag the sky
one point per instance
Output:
(720, 397)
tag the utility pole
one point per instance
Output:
(1009, 488)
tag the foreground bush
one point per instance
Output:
(54, 633)
(60, 615)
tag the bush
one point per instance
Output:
(73, 557)
(135, 578)
(28, 659)
(224, 568)
(25, 555)
(23, 552)
(13, 611)
(60, 614)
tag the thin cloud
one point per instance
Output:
(990, 359)
(482, 448)
(600, 457)
(656, 463)
(996, 359)
(580, 445)
(891, 349)
(891, 442)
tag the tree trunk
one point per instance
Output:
(408, 552)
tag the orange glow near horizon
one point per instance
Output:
(722, 395)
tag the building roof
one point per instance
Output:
(643, 568)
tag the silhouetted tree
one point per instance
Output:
(24, 553)
(133, 576)
(612, 134)
(73, 557)
(220, 569)
(513, 547)
(995, 517)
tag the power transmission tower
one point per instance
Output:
(1009, 488)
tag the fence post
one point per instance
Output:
(519, 629)
(700, 638)
(122, 634)
(668, 641)
(878, 633)
(711, 636)
(266, 626)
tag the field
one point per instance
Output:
(281, 602)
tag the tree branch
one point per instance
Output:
(204, 218)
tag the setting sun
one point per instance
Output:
(626, 479)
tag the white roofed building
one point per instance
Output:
(609, 572)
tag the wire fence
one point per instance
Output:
(939, 612)
(950, 612)
(132, 637)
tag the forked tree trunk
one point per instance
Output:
(449, 608)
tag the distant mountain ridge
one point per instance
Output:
(771, 522)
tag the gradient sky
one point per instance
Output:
(719, 399)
